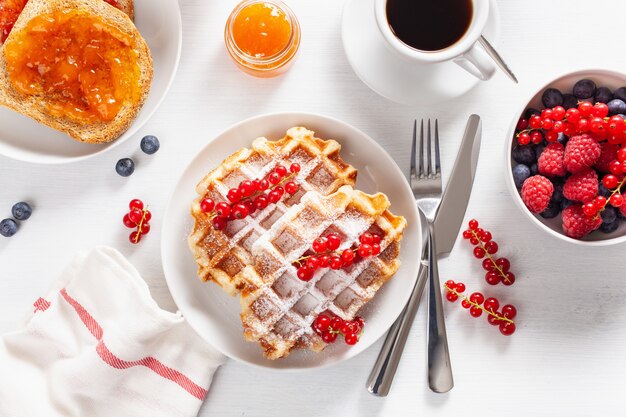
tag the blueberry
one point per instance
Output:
(569, 101)
(125, 167)
(21, 211)
(539, 149)
(603, 95)
(562, 138)
(534, 169)
(620, 215)
(8, 227)
(616, 106)
(557, 194)
(609, 227)
(150, 144)
(603, 191)
(620, 93)
(584, 89)
(608, 214)
(531, 112)
(553, 210)
(566, 203)
(524, 154)
(520, 173)
(551, 98)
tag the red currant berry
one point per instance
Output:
(264, 185)
(546, 114)
(351, 339)
(572, 115)
(274, 178)
(585, 108)
(486, 236)
(134, 237)
(294, 168)
(474, 240)
(365, 250)
(477, 298)
(492, 277)
(347, 255)
(131, 224)
(621, 155)
(145, 228)
(615, 167)
(135, 215)
(222, 209)
(600, 110)
(521, 124)
(279, 189)
(329, 337)
(219, 223)
(281, 170)
(507, 328)
(546, 124)
(491, 304)
(509, 311)
(375, 249)
(503, 263)
(590, 209)
(291, 187)
(335, 262)
(597, 125)
(459, 287)
(366, 238)
(257, 185)
(304, 273)
(449, 284)
(491, 247)
(616, 200)
(313, 263)
(494, 320)
(376, 238)
(135, 204)
(476, 311)
(251, 206)
(582, 125)
(536, 137)
(336, 323)
(359, 321)
(274, 196)
(534, 122)
(488, 264)
(610, 181)
(558, 127)
(147, 215)
(333, 240)
(347, 327)
(466, 304)
(551, 136)
(558, 113)
(509, 279)
(246, 188)
(240, 211)
(599, 202)
(234, 195)
(320, 244)
(324, 261)
(261, 202)
(523, 138)
(452, 297)
(473, 224)
(467, 234)
(479, 252)
(322, 323)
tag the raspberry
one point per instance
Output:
(551, 160)
(536, 193)
(622, 209)
(581, 152)
(608, 154)
(582, 186)
(576, 224)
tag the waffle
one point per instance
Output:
(223, 256)
(278, 308)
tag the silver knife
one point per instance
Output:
(491, 51)
(447, 225)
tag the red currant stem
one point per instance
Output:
(458, 294)
(140, 225)
(613, 192)
(493, 262)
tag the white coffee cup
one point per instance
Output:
(465, 52)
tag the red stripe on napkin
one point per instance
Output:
(41, 304)
(149, 362)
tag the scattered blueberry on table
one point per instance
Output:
(150, 144)
(8, 227)
(21, 211)
(125, 167)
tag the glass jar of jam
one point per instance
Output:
(262, 37)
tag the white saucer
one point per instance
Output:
(394, 78)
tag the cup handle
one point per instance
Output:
(476, 62)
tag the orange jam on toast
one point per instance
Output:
(84, 68)
(9, 12)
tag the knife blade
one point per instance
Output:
(447, 224)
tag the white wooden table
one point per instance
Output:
(567, 357)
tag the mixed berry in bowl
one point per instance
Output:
(568, 158)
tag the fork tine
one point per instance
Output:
(429, 173)
(413, 149)
(421, 160)
(437, 156)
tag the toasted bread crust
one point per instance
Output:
(35, 106)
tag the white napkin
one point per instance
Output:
(98, 345)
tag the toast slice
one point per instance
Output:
(34, 106)
(127, 6)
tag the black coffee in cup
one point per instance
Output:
(429, 25)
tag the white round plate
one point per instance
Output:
(213, 313)
(24, 139)
(393, 77)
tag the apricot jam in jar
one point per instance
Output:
(262, 37)
(83, 68)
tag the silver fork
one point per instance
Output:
(427, 189)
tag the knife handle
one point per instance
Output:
(439, 368)
(384, 370)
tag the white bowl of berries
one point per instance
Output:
(567, 158)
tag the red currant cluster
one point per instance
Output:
(328, 328)
(250, 196)
(477, 305)
(613, 182)
(138, 217)
(327, 256)
(587, 118)
(485, 247)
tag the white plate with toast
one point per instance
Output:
(214, 314)
(24, 139)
